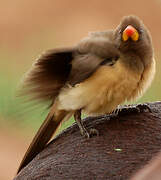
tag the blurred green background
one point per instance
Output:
(28, 28)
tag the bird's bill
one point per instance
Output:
(130, 32)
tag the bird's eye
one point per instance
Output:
(140, 31)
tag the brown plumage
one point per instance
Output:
(95, 76)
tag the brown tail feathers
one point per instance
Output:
(44, 134)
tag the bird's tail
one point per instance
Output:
(44, 134)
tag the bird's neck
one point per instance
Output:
(133, 62)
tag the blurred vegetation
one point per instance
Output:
(27, 28)
(12, 110)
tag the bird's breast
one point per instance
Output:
(102, 92)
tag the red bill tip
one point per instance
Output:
(130, 30)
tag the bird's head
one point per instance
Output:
(132, 36)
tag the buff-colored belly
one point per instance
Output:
(102, 92)
(108, 87)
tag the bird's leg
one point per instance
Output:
(83, 130)
(77, 117)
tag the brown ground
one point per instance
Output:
(125, 144)
(22, 22)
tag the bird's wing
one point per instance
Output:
(92, 53)
(58, 67)
(48, 75)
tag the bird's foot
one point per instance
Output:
(90, 133)
(83, 130)
(143, 108)
(93, 132)
(116, 111)
(135, 109)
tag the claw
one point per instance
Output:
(83, 130)
(143, 108)
(116, 112)
(84, 133)
(93, 132)
(135, 109)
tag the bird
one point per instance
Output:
(95, 76)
